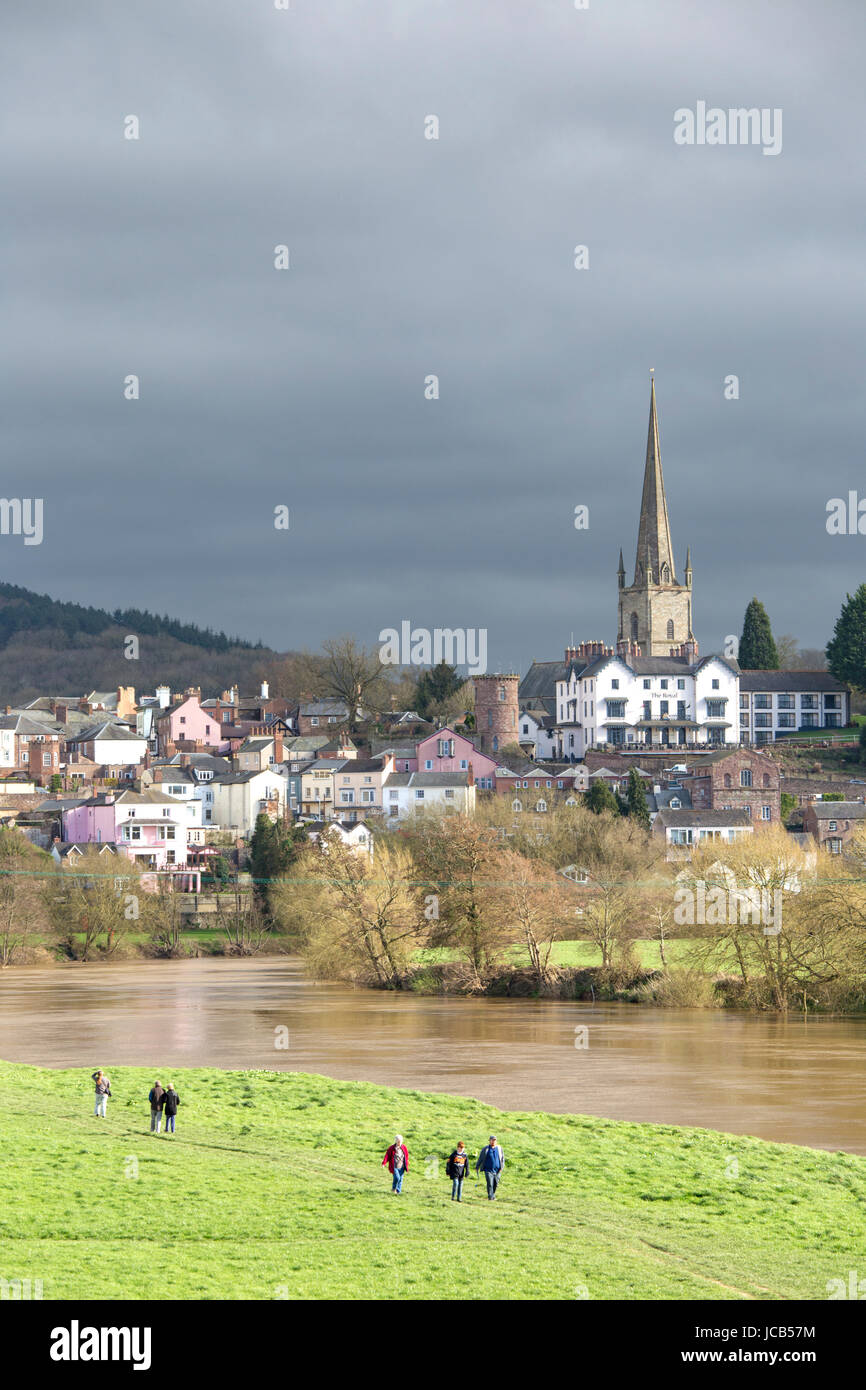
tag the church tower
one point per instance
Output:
(655, 612)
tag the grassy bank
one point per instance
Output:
(272, 1188)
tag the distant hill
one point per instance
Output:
(49, 647)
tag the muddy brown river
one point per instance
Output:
(795, 1080)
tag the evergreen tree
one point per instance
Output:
(846, 650)
(757, 648)
(435, 686)
(600, 797)
(635, 801)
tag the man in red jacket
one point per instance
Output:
(396, 1160)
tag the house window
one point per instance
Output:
(314, 720)
(169, 832)
(832, 825)
(517, 805)
(428, 764)
(746, 777)
(526, 728)
(463, 765)
(766, 813)
(614, 685)
(419, 796)
(394, 795)
(449, 793)
(367, 795)
(541, 805)
(715, 685)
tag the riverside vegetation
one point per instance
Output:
(576, 902)
(301, 1208)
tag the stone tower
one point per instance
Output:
(654, 611)
(496, 711)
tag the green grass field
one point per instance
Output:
(272, 1188)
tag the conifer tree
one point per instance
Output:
(757, 648)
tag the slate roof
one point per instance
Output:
(428, 779)
(837, 810)
(696, 819)
(770, 681)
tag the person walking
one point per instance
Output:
(170, 1102)
(103, 1091)
(155, 1098)
(456, 1169)
(491, 1162)
(396, 1160)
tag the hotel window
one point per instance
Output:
(787, 721)
(664, 685)
(762, 702)
(646, 685)
(784, 702)
(681, 685)
(663, 708)
(831, 702)
(808, 702)
(763, 721)
(715, 709)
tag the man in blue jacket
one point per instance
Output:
(491, 1162)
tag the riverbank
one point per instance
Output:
(272, 1188)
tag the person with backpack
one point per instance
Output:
(155, 1098)
(396, 1160)
(491, 1162)
(103, 1091)
(170, 1102)
(456, 1169)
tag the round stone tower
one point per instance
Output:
(496, 711)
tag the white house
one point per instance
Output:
(410, 793)
(235, 799)
(658, 702)
(111, 743)
(775, 703)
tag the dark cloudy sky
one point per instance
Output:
(410, 257)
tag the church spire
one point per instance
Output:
(654, 549)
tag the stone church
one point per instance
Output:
(655, 611)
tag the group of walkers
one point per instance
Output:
(490, 1162)
(163, 1101)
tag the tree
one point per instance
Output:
(846, 650)
(273, 848)
(787, 650)
(600, 798)
(458, 859)
(789, 802)
(619, 859)
(539, 904)
(351, 674)
(97, 902)
(24, 895)
(757, 648)
(435, 687)
(636, 806)
(354, 918)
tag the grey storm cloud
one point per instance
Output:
(410, 257)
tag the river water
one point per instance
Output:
(795, 1080)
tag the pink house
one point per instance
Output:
(187, 722)
(149, 827)
(445, 751)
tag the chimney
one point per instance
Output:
(264, 692)
(163, 695)
(278, 748)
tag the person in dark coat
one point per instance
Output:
(396, 1160)
(491, 1162)
(456, 1169)
(155, 1098)
(170, 1102)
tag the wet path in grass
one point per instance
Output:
(795, 1080)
